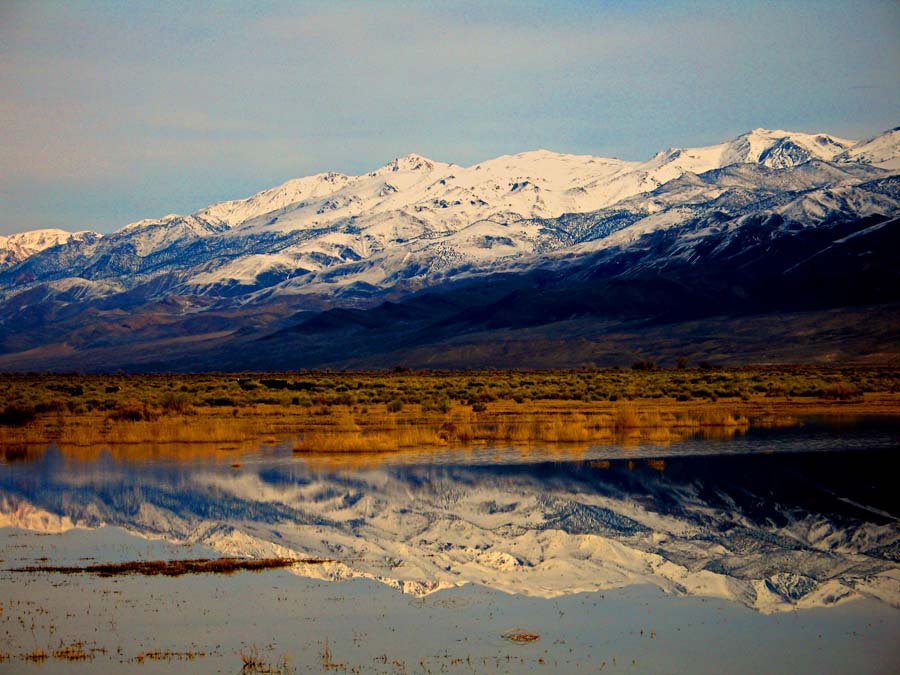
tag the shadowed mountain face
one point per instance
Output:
(409, 262)
(770, 531)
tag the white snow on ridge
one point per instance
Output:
(246, 269)
(16, 247)
(323, 232)
(760, 146)
(413, 199)
(761, 143)
(540, 183)
(881, 151)
(38, 240)
(816, 206)
(308, 188)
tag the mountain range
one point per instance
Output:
(774, 246)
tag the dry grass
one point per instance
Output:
(255, 664)
(174, 568)
(169, 655)
(37, 655)
(222, 437)
(216, 417)
(521, 636)
(528, 427)
(72, 652)
(328, 662)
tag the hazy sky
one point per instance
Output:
(115, 111)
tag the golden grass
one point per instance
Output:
(172, 416)
(37, 655)
(169, 655)
(521, 636)
(462, 428)
(72, 652)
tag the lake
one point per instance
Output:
(770, 549)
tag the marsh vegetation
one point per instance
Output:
(387, 411)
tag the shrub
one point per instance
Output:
(71, 390)
(302, 385)
(343, 399)
(17, 415)
(131, 411)
(221, 401)
(439, 405)
(395, 405)
(176, 403)
(841, 391)
(50, 406)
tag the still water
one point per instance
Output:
(775, 550)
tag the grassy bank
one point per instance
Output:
(385, 411)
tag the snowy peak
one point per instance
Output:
(233, 212)
(410, 162)
(882, 151)
(17, 247)
(146, 223)
(775, 149)
(445, 197)
(38, 240)
(780, 149)
(416, 221)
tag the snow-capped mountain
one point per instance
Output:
(342, 230)
(16, 247)
(333, 240)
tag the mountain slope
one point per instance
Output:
(882, 150)
(412, 205)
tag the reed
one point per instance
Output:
(220, 415)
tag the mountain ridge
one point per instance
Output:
(335, 241)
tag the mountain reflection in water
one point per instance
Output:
(770, 531)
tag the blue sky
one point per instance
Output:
(115, 111)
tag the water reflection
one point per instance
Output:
(770, 531)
